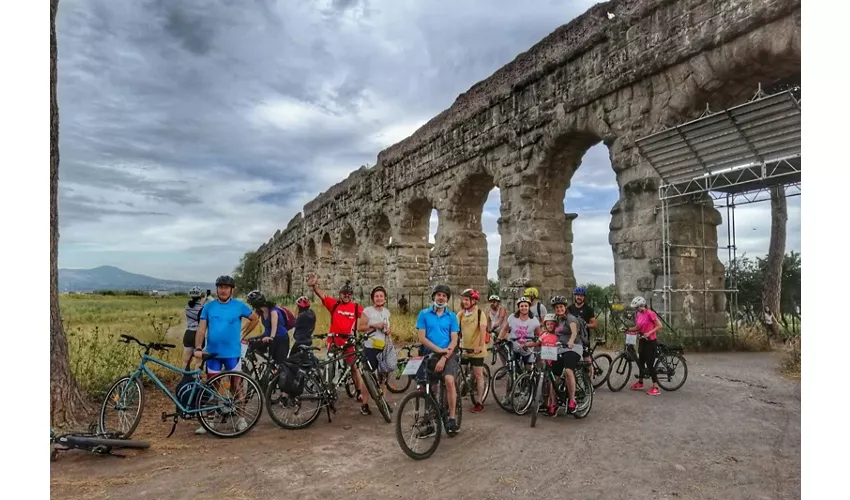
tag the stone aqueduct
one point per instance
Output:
(525, 129)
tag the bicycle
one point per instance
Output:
(466, 379)
(430, 418)
(320, 384)
(100, 443)
(395, 386)
(207, 401)
(668, 359)
(257, 362)
(595, 367)
(542, 376)
(337, 370)
(509, 373)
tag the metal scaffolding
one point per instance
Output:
(723, 160)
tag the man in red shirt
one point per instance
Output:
(344, 316)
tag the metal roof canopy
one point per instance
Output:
(747, 147)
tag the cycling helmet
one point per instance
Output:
(441, 288)
(256, 298)
(521, 300)
(471, 293)
(494, 297)
(195, 292)
(638, 301)
(550, 317)
(580, 290)
(346, 288)
(531, 293)
(558, 299)
(378, 288)
(303, 302)
(225, 281)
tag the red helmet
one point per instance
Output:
(471, 293)
(303, 302)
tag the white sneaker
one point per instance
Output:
(241, 424)
(200, 430)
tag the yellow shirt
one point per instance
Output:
(470, 331)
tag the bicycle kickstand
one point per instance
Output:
(174, 426)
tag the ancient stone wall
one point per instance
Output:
(525, 130)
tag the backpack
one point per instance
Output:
(583, 332)
(290, 318)
(291, 378)
(183, 392)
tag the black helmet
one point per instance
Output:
(225, 281)
(378, 288)
(441, 288)
(346, 288)
(558, 299)
(256, 298)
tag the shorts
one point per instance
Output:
(223, 364)
(450, 370)
(370, 355)
(472, 361)
(568, 359)
(189, 339)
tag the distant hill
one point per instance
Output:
(113, 278)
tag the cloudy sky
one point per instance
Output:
(192, 130)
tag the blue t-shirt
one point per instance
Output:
(281, 323)
(438, 329)
(224, 326)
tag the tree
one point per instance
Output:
(492, 287)
(772, 291)
(68, 405)
(751, 282)
(247, 272)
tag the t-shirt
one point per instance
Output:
(470, 330)
(377, 338)
(522, 330)
(343, 318)
(564, 331)
(584, 312)
(305, 323)
(281, 323)
(224, 326)
(645, 321)
(438, 327)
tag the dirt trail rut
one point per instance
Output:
(731, 432)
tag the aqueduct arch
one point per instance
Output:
(655, 64)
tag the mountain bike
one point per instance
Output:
(504, 379)
(336, 370)
(398, 383)
(256, 361)
(466, 383)
(669, 361)
(211, 400)
(101, 443)
(429, 416)
(600, 365)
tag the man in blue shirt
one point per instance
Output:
(221, 326)
(438, 333)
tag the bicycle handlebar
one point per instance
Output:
(157, 346)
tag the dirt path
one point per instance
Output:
(732, 432)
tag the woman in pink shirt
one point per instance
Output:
(648, 324)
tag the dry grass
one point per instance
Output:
(791, 363)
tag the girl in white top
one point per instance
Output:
(375, 321)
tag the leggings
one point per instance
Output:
(280, 348)
(646, 358)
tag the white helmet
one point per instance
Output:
(550, 317)
(494, 297)
(195, 292)
(638, 302)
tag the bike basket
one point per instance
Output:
(631, 338)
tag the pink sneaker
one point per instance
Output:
(654, 391)
(637, 386)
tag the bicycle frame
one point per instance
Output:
(144, 370)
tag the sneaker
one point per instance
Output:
(571, 407)
(654, 391)
(426, 432)
(451, 426)
(241, 424)
(365, 410)
(478, 408)
(637, 386)
(200, 430)
(552, 411)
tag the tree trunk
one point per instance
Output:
(775, 254)
(67, 403)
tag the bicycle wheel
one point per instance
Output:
(121, 396)
(502, 385)
(350, 388)
(540, 389)
(600, 368)
(92, 443)
(522, 395)
(396, 382)
(584, 395)
(231, 404)
(622, 368)
(426, 424)
(305, 407)
(376, 394)
(666, 369)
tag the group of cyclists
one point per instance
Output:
(214, 324)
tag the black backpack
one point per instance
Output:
(292, 378)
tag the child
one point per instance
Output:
(550, 339)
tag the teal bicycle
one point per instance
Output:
(221, 403)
